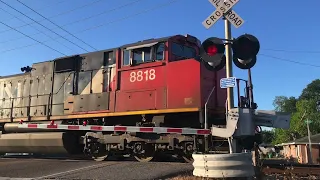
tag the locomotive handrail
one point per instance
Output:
(50, 102)
(61, 85)
(205, 109)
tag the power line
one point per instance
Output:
(42, 8)
(32, 38)
(110, 22)
(35, 28)
(59, 14)
(104, 12)
(293, 51)
(127, 17)
(56, 24)
(289, 60)
(43, 26)
(77, 8)
(83, 19)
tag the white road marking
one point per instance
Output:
(75, 170)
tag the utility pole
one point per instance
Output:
(309, 138)
(310, 145)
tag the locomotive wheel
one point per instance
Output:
(100, 158)
(101, 155)
(100, 152)
(187, 154)
(144, 152)
(142, 158)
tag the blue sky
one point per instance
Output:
(279, 25)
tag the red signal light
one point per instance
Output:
(212, 50)
(212, 53)
(84, 123)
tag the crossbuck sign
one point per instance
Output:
(223, 8)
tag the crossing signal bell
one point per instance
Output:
(212, 54)
(245, 49)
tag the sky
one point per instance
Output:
(287, 32)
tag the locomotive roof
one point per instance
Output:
(14, 75)
(147, 41)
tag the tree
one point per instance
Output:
(301, 109)
(285, 104)
(267, 136)
(312, 91)
(305, 109)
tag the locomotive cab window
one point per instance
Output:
(143, 53)
(182, 52)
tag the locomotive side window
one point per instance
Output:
(137, 55)
(126, 57)
(182, 52)
(144, 54)
(109, 58)
(159, 51)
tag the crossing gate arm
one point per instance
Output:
(160, 130)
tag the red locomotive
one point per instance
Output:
(152, 83)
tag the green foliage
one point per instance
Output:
(301, 109)
(285, 104)
(312, 91)
(267, 137)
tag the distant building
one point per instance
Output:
(299, 149)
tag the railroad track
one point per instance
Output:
(301, 170)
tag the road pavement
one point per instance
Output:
(27, 168)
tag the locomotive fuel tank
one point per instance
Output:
(43, 143)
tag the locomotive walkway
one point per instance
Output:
(27, 168)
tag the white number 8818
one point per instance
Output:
(143, 75)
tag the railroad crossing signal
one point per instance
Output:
(223, 8)
(245, 49)
(212, 54)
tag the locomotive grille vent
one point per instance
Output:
(67, 64)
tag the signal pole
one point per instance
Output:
(229, 73)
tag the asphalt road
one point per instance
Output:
(12, 168)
